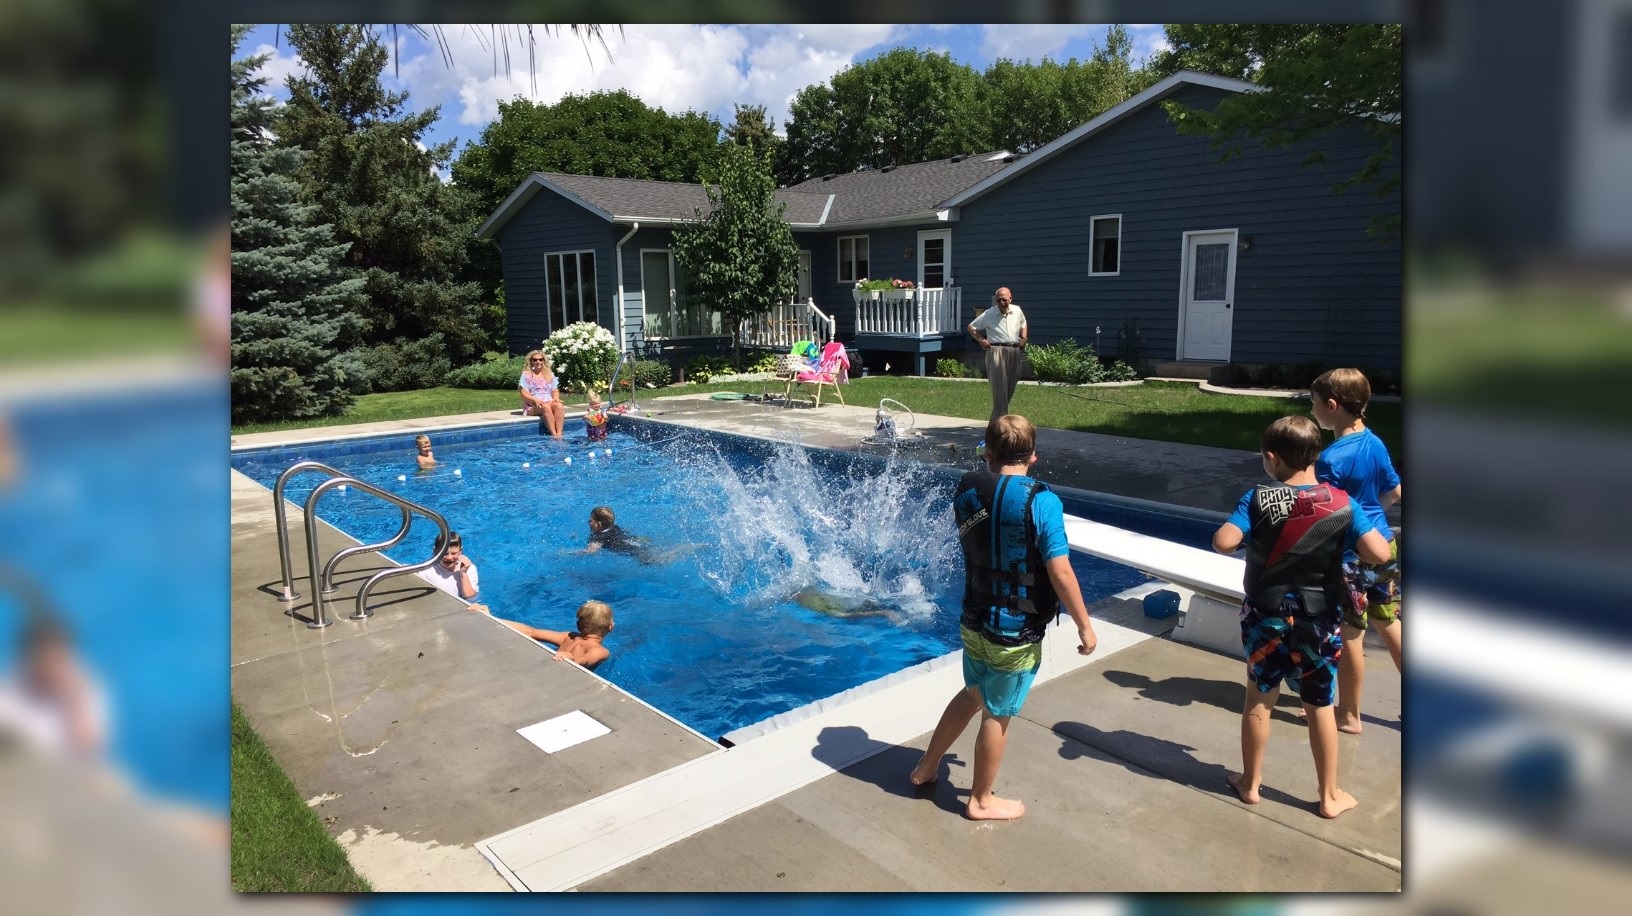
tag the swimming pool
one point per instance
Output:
(713, 633)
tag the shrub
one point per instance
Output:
(951, 368)
(1120, 371)
(405, 365)
(582, 354)
(496, 371)
(700, 369)
(647, 372)
(766, 363)
(1066, 362)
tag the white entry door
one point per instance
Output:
(1207, 295)
(934, 258)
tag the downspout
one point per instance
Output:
(618, 306)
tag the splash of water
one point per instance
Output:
(879, 533)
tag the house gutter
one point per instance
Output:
(617, 308)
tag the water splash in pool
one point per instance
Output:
(872, 539)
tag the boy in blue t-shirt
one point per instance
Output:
(1358, 464)
(1017, 569)
(1295, 532)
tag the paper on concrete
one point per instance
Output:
(562, 732)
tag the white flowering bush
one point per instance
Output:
(582, 354)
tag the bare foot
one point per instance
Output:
(922, 775)
(1250, 796)
(1341, 803)
(1348, 723)
(996, 809)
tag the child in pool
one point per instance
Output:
(595, 416)
(584, 646)
(425, 459)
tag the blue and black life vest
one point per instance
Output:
(1007, 595)
(1297, 542)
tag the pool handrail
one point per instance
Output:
(320, 617)
(322, 585)
(624, 357)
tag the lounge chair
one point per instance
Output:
(833, 368)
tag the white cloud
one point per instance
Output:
(1033, 42)
(1147, 40)
(705, 68)
(278, 67)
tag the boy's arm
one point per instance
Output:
(554, 636)
(1390, 498)
(1064, 580)
(1372, 547)
(1227, 538)
(466, 578)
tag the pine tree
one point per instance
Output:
(374, 179)
(291, 296)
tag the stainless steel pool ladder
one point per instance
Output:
(624, 358)
(323, 585)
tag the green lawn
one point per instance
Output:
(1520, 352)
(278, 844)
(40, 333)
(1164, 411)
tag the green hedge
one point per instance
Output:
(951, 368)
(1073, 364)
(497, 371)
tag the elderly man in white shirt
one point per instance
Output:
(1001, 332)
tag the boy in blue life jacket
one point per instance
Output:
(1291, 619)
(1017, 568)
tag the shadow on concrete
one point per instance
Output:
(1157, 758)
(886, 766)
(1183, 691)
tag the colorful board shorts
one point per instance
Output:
(1289, 646)
(1003, 673)
(1374, 590)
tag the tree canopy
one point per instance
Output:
(291, 297)
(740, 256)
(375, 180)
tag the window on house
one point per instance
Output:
(569, 281)
(1105, 246)
(852, 258)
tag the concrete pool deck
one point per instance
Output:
(407, 746)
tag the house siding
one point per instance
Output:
(550, 223)
(884, 248)
(1314, 286)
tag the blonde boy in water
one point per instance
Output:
(584, 646)
(425, 459)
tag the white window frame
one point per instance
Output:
(843, 262)
(549, 305)
(1092, 222)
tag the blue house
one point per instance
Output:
(1121, 223)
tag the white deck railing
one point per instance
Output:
(786, 323)
(910, 313)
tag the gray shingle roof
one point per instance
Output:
(628, 198)
(905, 190)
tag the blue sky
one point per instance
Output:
(704, 68)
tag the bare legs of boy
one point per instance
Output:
(1322, 743)
(990, 743)
(1351, 670)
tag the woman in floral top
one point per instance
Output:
(540, 393)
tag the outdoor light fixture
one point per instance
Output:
(906, 254)
(1245, 243)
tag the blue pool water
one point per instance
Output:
(712, 634)
(116, 521)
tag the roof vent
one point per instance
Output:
(1011, 157)
(830, 176)
(960, 157)
(887, 168)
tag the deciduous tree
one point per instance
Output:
(741, 255)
